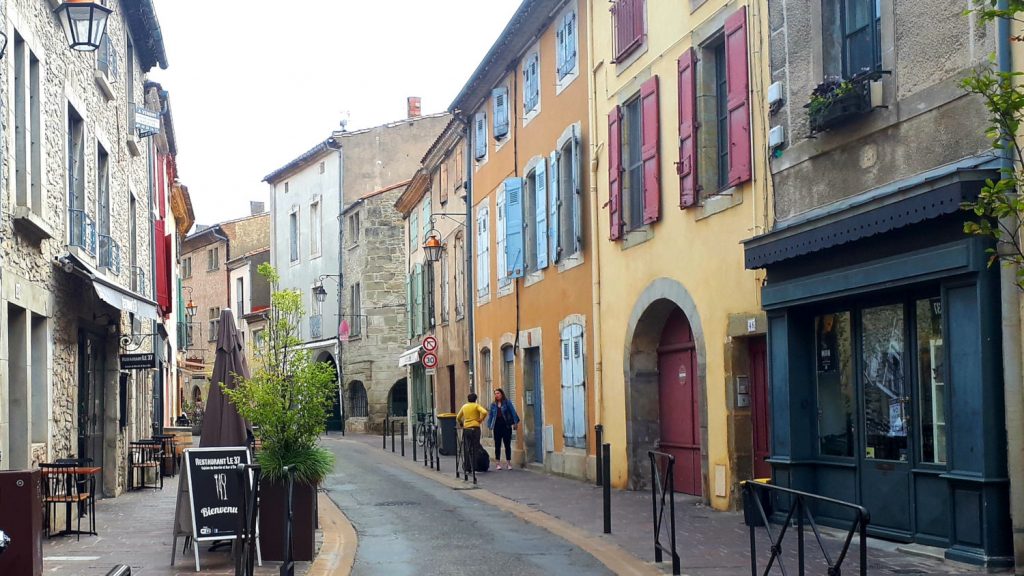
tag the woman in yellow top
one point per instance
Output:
(470, 417)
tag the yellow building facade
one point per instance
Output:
(680, 179)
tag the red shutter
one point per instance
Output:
(686, 167)
(161, 185)
(168, 265)
(615, 172)
(162, 294)
(649, 149)
(737, 75)
(628, 22)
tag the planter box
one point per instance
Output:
(843, 109)
(273, 510)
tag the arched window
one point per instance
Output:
(357, 400)
(398, 399)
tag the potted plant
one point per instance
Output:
(286, 400)
(836, 101)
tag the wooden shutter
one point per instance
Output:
(579, 391)
(168, 263)
(481, 135)
(500, 96)
(427, 209)
(540, 204)
(408, 305)
(577, 193)
(554, 208)
(570, 41)
(560, 50)
(568, 418)
(738, 88)
(163, 295)
(483, 253)
(615, 172)
(513, 228)
(686, 167)
(649, 138)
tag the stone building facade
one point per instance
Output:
(77, 181)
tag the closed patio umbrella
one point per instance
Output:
(222, 425)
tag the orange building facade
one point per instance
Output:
(526, 109)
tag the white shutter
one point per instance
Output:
(579, 391)
(568, 418)
(483, 260)
(554, 203)
(540, 203)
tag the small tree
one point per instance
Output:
(999, 207)
(288, 395)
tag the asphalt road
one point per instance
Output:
(410, 525)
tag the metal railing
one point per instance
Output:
(138, 279)
(663, 477)
(83, 231)
(801, 513)
(110, 254)
(316, 326)
(106, 59)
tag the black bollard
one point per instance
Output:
(384, 435)
(598, 440)
(414, 444)
(403, 438)
(393, 436)
(606, 450)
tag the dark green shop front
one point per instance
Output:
(885, 366)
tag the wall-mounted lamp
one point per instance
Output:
(433, 246)
(191, 308)
(320, 293)
(84, 23)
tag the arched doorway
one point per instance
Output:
(678, 401)
(357, 403)
(398, 399)
(666, 402)
(334, 418)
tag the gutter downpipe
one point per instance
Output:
(341, 276)
(595, 266)
(470, 246)
(1010, 294)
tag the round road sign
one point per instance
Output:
(429, 360)
(430, 343)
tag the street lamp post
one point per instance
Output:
(321, 296)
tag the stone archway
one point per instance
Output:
(651, 312)
(335, 420)
(398, 399)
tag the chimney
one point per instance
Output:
(256, 208)
(414, 107)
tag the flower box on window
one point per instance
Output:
(835, 102)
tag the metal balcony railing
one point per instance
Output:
(82, 231)
(106, 59)
(316, 326)
(110, 254)
(138, 280)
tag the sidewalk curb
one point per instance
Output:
(613, 556)
(338, 551)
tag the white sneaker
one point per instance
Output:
(509, 464)
(497, 466)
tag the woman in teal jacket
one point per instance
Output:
(502, 419)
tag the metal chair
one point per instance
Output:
(61, 486)
(142, 456)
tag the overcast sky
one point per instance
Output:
(254, 84)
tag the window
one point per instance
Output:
(214, 323)
(109, 250)
(628, 22)
(444, 286)
(574, 395)
(483, 252)
(500, 240)
(138, 280)
(356, 310)
(353, 228)
(293, 235)
(531, 84)
(129, 86)
(529, 222)
(82, 226)
(258, 338)
(931, 363)
(213, 258)
(414, 230)
(357, 400)
(860, 24)
(315, 228)
(106, 59)
(565, 200)
(508, 371)
(443, 182)
(480, 136)
(285, 187)
(460, 275)
(885, 394)
(417, 300)
(836, 405)
(499, 97)
(565, 44)
(485, 369)
(240, 296)
(429, 308)
(323, 168)
(720, 126)
(186, 267)
(28, 126)
(635, 190)
(535, 212)
(460, 169)
(189, 335)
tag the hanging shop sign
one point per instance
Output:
(147, 122)
(140, 361)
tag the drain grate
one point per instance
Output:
(397, 503)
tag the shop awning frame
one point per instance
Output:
(120, 298)
(410, 357)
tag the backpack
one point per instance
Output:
(483, 460)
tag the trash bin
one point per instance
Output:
(449, 441)
(21, 517)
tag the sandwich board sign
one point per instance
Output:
(214, 495)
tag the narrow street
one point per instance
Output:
(409, 525)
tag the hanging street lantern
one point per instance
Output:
(320, 293)
(84, 23)
(191, 309)
(433, 246)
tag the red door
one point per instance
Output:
(680, 412)
(759, 406)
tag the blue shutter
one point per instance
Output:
(541, 207)
(481, 135)
(408, 305)
(577, 195)
(560, 51)
(500, 96)
(483, 251)
(426, 219)
(554, 206)
(417, 288)
(530, 84)
(570, 42)
(514, 228)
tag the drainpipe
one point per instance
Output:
(470, 246)
(595, 265)
(1011, 332)
(336, 145)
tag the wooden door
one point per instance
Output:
(679, 402)
(759, 411)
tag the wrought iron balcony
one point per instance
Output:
(316, 326)
(82, 231)
(138, 280)
(110, 254)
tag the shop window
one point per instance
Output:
(931, 380)
(836, 406)
(886, 395)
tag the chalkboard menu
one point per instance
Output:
(215, 490)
